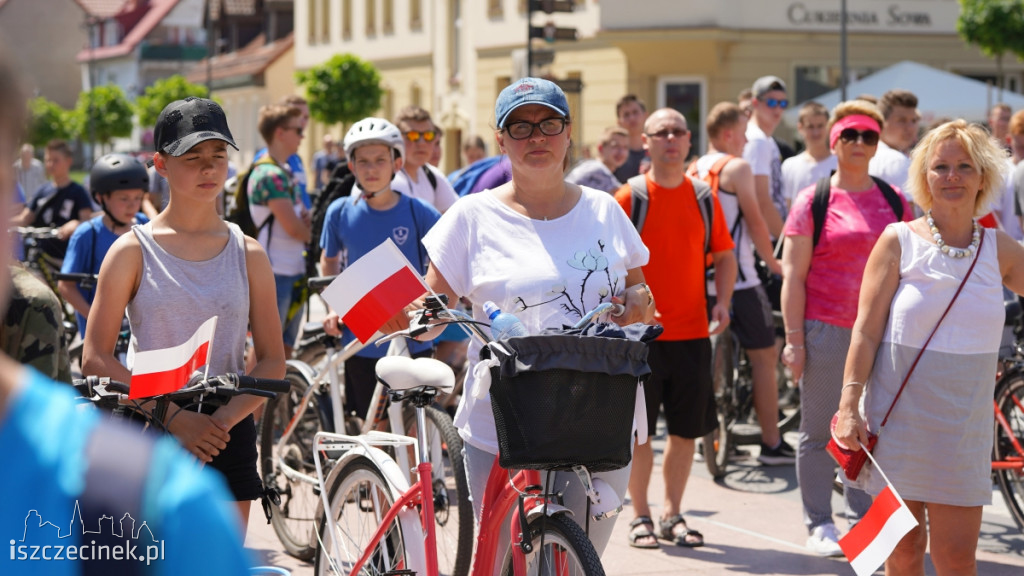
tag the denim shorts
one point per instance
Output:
(284, 302)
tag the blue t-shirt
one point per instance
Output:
(358, 229)
(298, 175)
(88, 246)
(44, 434)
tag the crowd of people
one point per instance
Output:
(878, 221)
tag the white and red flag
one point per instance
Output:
(157, 372)
(873, 539)
(373, 289)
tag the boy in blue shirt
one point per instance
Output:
(358, 223)
(118, 183)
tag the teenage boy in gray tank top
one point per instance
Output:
(184, 267)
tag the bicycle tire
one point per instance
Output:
(717, 444)
(1010, 402)
(359, 497)
(563, 539)
(453, 512)
(293, 519)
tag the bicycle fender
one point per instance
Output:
(305, 369)
(551, 510)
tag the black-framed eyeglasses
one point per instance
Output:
(522, 129)
(415, 135)
(663, 134)
(851, 135)
(776, 103)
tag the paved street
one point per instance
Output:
(751, 522)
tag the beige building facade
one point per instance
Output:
(454, 56)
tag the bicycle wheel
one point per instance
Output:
(566, 551)
(1010, 402)
(453, 512)
(359, 498)
(293, 519)
(717, 443)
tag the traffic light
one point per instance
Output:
(549, 32)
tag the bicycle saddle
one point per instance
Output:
(404, 373)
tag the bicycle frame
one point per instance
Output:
(500, 497)
(330, 375)
(1009, 462)
(407, 497)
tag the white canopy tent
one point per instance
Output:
(940, 94)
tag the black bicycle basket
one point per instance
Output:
(564, 400)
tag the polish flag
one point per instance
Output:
(873, 539)
(161, 371)
(373, 289)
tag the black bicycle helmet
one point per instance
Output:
(117, 172)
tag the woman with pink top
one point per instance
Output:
(821, 283)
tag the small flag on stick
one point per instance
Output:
(373, 289)
(157, 372)
(872, 540)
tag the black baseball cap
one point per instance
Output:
(185, 123)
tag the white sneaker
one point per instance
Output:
(824, 541)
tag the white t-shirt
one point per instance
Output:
(802, 171)
(892, 166)
(441, 198)
(765, 160)
(547, 273)
(744, 250)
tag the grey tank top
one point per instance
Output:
(176, 296)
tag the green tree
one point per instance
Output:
(156, 97)
(48, 121)
(994, 26)
(343, 89)
(102, 114)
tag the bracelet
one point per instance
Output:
(794, 331)
(848, 384)
(647, 289)
(794, 346)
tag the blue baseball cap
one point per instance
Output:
(529, 91)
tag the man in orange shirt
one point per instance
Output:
(680, 360)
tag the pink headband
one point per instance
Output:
(858, 121)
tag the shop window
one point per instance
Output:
(311, 36)
(371, 17)
(494, 8)
(388, 17)
(346, 19)
(415, 15)
(688, 96)
(325, 21)
(813, 81)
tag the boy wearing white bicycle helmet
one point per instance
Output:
(357, 224)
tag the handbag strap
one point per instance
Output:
(937, 324)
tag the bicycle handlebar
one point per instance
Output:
(83, 279)
(318, 283)
(106, 392)
(34, 232)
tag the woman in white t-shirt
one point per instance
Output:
(544, 249)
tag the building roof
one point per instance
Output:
(158, 10)
(102, 8)
(251, 60)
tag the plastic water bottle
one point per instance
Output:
(503, 324)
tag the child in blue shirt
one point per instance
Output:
(358, 223)
(118, 183)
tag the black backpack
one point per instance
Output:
(240, 214)
(340, 185)
(823, 190)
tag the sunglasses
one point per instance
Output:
(298, 129)
(851, 135)
(776, 103)
(415, 135)
(663, 134)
